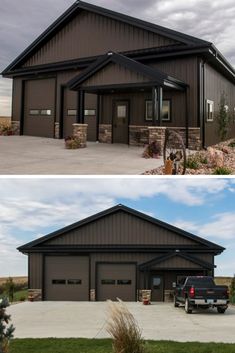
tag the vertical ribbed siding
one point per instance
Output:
(16, 98)
(90, 34)
(36, 269)
(121, 228)
(215, 85)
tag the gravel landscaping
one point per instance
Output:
(216, 160)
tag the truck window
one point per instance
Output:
(201, 281)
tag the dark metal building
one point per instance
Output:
(116, 253)
(121, 76)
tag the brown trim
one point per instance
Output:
(61, 116)
(22, 107)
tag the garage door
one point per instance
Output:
(67, 278)
(39, 108)
(116, 281)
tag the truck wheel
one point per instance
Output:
(188, 310)
(221, 310)
(176, 304)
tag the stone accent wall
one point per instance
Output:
(15, 127)
(92, 295)
(80, 131)
(57, 130)
(138, 135)
(168, 296)
(35, 295)
(105, 133)
(144, 293)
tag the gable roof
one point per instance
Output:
(117, 208)
(157, 260)
(157, 76)
(79, 6)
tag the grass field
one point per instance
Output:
(223, 281)
(105, 346)
(16, 280)
(5, 119)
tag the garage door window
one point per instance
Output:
(74, 281)
(45, 112)
(58, 281)
(124, 281)
(34, 112)
(108, 281)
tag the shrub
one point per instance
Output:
(6, 330)
(72, 142)
(232, 144)
(6, 129)
(124, 330)
(222, 171)
(152, 150)
(9, 288)
(22, 299)
(192, 162)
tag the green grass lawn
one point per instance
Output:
(18, 295)
(83, 345)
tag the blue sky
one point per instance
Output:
(30, 208)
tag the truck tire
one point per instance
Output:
(187, 307)
(176, 304)
(221, 310)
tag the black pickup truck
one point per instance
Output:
(201, 292)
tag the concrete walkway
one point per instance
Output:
(35, 155)
(86, 319)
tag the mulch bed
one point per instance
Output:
(206, 168)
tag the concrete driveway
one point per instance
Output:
(36, 155)
(86, 319)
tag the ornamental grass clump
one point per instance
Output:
(124, 329)
(72, 142)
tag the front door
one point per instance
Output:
(120, 121)
(157, 288)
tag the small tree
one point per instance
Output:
(223, 118)
(6, 330)
(9, 288)
(232, 290)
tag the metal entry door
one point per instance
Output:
(157, 288)
(120, 121)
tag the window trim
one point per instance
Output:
(170, 110)
(209, 101)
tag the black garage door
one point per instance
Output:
(39, 108)
(116, 281)
(67, 278)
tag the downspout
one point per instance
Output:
(203, 106)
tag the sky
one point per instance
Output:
(30, 208)
(22, 21)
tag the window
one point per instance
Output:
(45, 112)
(121, 111)
(124, 281)
(166, 110)
(34, 112)
(74, 281)
(108, 281)
(209, 110)
(89, 112)
(156, 282)
(72, 112)
(58, 281)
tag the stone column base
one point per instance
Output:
(57, 130)
(143, 293)
(15, 125)
(80, 131)
(105, 133)
(168, 296)
(92, 295)
(34, 295)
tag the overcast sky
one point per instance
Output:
(22, 21)
(30, 208)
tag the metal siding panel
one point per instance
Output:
(111, 230)
(36, 268)
(16, 98)
(97, 35)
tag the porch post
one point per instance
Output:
(81, 106)
(154, 105)
(98, 116)
(160, 99)
(186, 118)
